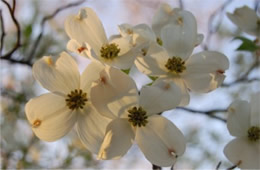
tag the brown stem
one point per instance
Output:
(46, 18)
(209, 113)
(18, 32)
(3, 33)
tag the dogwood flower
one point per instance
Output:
(247, 20)
(137, 35)
(135, 118)
(201, 72)
(54, 114)
(89, 38)
(168, 23)
(244, 123)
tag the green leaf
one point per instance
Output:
(247, 44)
(28, 31)
(126, 71)
(153, 78)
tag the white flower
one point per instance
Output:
(168, 23)
(54, 114)
(244, 123)
(201, 72)
(89, 38)
(138, 35)
(247, 20)
(135, 118)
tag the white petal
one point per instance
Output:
(160, 141)
(144, 32)
(154, 62)
(124, 61)
(238, 121)
(90, 74)
(161, 96)
(255, 109)
(138, 34)
(178, 41)
(123, 44)
(243, 151)
(86, 28)
(119, 138)
(75, 47)
(125, 29)
(246, 19)
(163, 16)
(126, 56)
(185, 100)
(91, 128)
(114, 93)
(62, 76)
(49, 116)
(204, 71)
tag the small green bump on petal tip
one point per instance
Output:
(109, 51)
(144, 51)
(159, 41)
(175, 65)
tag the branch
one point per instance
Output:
(15, 61)
(239, 81)
(209, 113)
(235, 166)
(28, 61)
(46, 18)
(211, 29)
(3, 32)
(243, 78)
(18, 32)
(218, 165)
(181, 5)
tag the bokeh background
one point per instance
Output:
(205, 136)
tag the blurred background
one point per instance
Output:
(205, 136)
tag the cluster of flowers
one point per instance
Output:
(243, 120)
(104, 104)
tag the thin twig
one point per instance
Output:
(244, 77)
(46, 18)
(234, 166)
(3, 33)
(18, 32)
(14, 5)
(239, 81)
(211, 29)
(218, 165)
(15, 61)
(209, 113)
(181, 4)
(257, 4)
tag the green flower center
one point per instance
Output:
(76, 99)
(137, 116)
(159, 41)
(253, 133)
(175, 65)
(109, 51)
